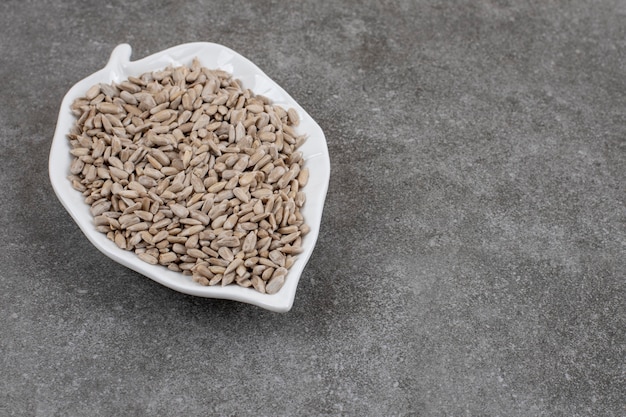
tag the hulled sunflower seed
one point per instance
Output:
(275, 284)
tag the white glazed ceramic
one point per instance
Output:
(210, 55)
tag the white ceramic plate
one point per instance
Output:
(210, 55)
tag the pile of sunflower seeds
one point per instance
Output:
(192, 171)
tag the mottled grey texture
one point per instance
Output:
(472, 255)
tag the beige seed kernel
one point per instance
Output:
(274, 284)
(148, 258)
(167, 258)
(293, 117)
(191, 171)
(109, 108)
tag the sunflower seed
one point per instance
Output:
(148, 258)
(167, 258)
(109, 108)
(179, 210)
(275, 284)
(258, 284)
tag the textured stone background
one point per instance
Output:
(472, 255)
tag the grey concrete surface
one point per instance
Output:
(472, 255)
